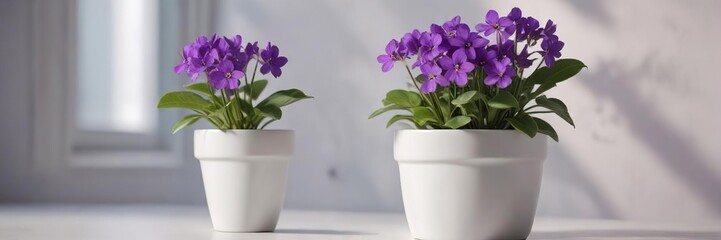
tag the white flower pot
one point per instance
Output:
(244, 174)
(469, 184)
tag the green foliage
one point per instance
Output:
(185, 121)
(503, 100)
(255, 90)
(457, 122)
(403, 98)
(524, 123)
(477, 106)
(230, 111)
(187, 100)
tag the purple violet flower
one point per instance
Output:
(456, 68)
(205, 62)
(411, 41)
(550, 29)
(551, 50)
(187, 54)
(251, 50)
(272, 62)
(503, 26)
(528, 29)
(515, 14)
(433, 78)
(430, 46)
(225, 76)
(522, 59)
(390, 57)
(483, 56)
(499, 72)
(467, 41)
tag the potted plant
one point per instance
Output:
(244, 167)
(472, 168)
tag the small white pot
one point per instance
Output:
(244, 174)
(469, 184)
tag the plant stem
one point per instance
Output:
(225, 110)
(430, 103)
(252, 80)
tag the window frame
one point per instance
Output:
(57, 142)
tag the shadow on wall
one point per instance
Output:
(612, 81)
(594, 10)
(571, 188)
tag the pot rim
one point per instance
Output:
(457, 130)
(242, 130)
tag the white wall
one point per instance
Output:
(15, 104)
(645, 109)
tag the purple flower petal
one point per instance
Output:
(446, 62)
(182, 67)
(232, 83)
(515, 14)
(428, 86)
(466, 67)
(491, 17)
(504, 82)
(491, 79)
(275, 71)
(387, 66)
(237, 75)
(265, 68)
(462, 79)
(280, 61)
(391, 47)
(459, 57)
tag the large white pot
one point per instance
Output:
(469, 184)
(244, 174)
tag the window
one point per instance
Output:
(117, 79)
(117, 65)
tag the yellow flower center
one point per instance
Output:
(432, 76)
(227, 75)
(500, 74)
(456, 67)
(496, 26)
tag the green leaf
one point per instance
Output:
(538, 76)
(503, 100)
(257, 88)
(284, 97)
(423, 115)
(397, 118)
(200, 87)
(187, 100)
(385, 109)
(420, 78)
(457, 122)
(466, 97)
(184, 122)
(524, 123)
(562, 70)
(403, 98)
(445, 108)
(557, 106)
(545, 128)
(270, 111)
(246, 107)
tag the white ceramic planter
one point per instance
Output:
(469, 184)
(244, 174)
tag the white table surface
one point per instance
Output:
(99, 222)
